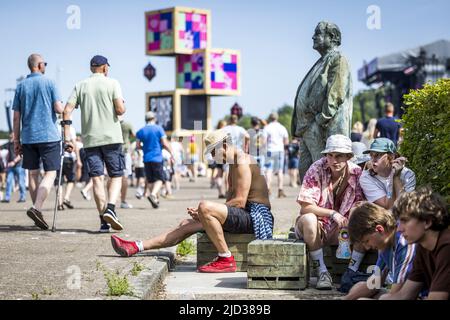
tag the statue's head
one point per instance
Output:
(326, 36)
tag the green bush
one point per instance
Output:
(427, 135)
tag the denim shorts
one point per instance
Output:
(49, 153)
(275, 161)
(110, 155)
(293, 163)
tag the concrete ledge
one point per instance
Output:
(149, 281)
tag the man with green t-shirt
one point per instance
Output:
(101, 102)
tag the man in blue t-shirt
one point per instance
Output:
(154, 139)
(388, 127)
(375, 228)
(36, 135)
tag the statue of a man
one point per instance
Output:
(323, 103)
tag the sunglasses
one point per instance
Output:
(45, 63)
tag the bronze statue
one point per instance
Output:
(323, 103)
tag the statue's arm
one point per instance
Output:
(338, 83)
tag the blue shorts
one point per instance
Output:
(49, 153)
(110, 155)
(293, 163)
(275, 161)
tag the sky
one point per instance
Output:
(274, 38)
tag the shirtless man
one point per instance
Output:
(246, 210)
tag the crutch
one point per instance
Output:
(58, 188)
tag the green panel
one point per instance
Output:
(181, 21)
(187, 67)
(150, 37)
(180, 82)
(167, 40)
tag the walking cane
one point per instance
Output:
(63, 123)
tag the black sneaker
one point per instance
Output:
(37, 217)
(68, 204)
(350, 278)
(104, 227)
(110, 217)
(153, 201)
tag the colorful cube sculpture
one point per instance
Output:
(177, 30)
(210, 71)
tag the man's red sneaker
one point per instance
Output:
(219, 265)
(123, 247)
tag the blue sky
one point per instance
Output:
(274, 38)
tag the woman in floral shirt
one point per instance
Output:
(329, 190)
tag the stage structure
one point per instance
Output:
(200, 72)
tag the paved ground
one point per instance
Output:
(43, 265)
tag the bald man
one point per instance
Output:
(36, 135)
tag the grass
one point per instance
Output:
(35, 296)
(137, 268)
(118, 284)
(186, 247)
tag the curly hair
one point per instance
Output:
(365, 217)
(424, 205)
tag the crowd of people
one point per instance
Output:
(362, 186)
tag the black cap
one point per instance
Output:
(98, 61)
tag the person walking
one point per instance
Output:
(277, 140)
(101, 102)
(153, 138)
(388, 127)
(14, 171)
(36, 135)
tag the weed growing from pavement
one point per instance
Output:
(137, 268)
(186, 247)
(118, 284)
(35, 296)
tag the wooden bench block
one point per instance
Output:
(237, 244)
(277, 264)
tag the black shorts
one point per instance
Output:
(68, 171)
(139, 172)
(238, 221)
(49, 153)
(154, 171)
(110, 155)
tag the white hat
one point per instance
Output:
(338, 143)
(150, 115)
(358, 149)
(213, 139)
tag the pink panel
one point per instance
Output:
(234, 58)
(154, 45)
(181, 34)
(154, 22)
(188, 16)
(203, 37)
(233, 79)
(196, 26)
(203, 18)
(163, 25)
(217, 85)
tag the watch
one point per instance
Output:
(332, 215)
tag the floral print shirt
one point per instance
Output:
(317, 189)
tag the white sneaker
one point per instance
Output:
(325, 282)
(125, 205)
